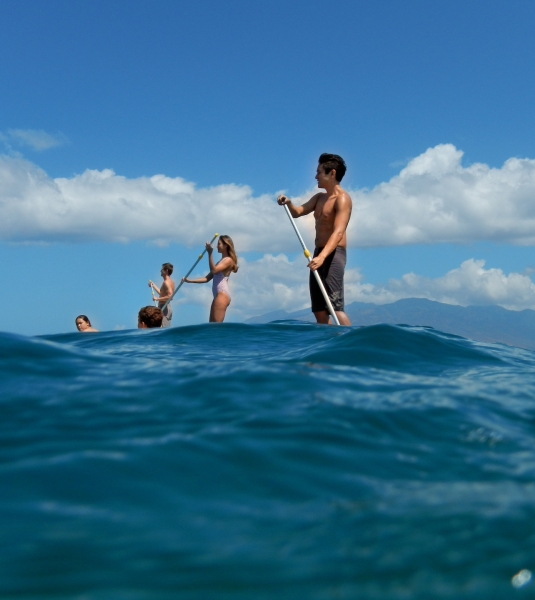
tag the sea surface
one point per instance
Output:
(276, 461)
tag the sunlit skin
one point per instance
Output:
(84, 327)
(226, 265)
(332, 211)
(165, 292)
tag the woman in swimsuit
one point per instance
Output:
(219, 274)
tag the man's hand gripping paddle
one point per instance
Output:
(187, 274)
(316, 274)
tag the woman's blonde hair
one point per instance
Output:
(227, 240)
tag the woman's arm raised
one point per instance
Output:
(223, 265)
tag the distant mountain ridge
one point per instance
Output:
(481, 323)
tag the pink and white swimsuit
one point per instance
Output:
(220, 284)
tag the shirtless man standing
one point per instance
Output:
(165, 292)
(332, 211)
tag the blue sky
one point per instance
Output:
(234, 101)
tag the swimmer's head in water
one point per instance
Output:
(167, 269)
(328, 162)
(225, 242)
(149, 317)
(82, 322)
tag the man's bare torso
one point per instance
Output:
(167, 288)
(325, 213)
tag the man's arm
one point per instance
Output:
(341, 220)
(299, 211)
(154, 287)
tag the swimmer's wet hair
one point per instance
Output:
(168, 268)
(333, 161)
(84, 318)
(152, 316)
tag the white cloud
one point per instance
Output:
(434, 199)
(37, 139)
(100, 205)
(276, 283)
(469, 284)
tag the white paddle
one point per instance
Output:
(316, 274)
(152, 292)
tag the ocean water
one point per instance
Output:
(279, 461)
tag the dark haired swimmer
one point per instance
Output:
(83, 324)
(332, 211)
(219, 274)
(149, 317)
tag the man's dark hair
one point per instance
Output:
(151, 316)
(333, 161)
(168, 268)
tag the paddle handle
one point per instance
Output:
(316, 274)
(187, 274)
(152, 292)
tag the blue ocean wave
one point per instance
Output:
(253, 461)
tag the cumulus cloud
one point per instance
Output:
(433, 199)
(37, 139)
(276, 283)
(100, 205)
(469, 284)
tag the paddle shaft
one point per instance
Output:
(152, 291)
(187, 274)
(316, 274)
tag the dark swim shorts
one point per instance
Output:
(331, 273)
(167, 316)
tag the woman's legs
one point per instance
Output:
(219, 308)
